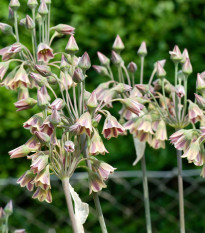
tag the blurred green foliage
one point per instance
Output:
(162, 24)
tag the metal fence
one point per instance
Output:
(122, 204)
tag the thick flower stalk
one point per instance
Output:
(64, 130)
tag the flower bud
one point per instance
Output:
(161, 62)
(22, 22)
(194, 112)
(11, 14)
(121, 88)
(40, 80)
(64, 66)
(84, 62)
(39, 19)
(96, 120)
(32, 4)
(101, 70)
(132, 105)
(116, 58)
(43, 70)
(200, 83)
(161, 73)
(118, 45)
(6, 29)
(142, 51)
(179, 89)
(185, 55)
(25, 104)
(176, 55)
(69, 146)
(92, 101)
(20, 231)
(96, 183)
(200, 100)
(187, 67)
(43, 137)
(43, 97)
(132, 67)
(58, 104)
(8, 208)
(19, 152)
(64, 29)
(14, 4)
(2, 215)
(105, 61)
(29, 23)
(78, 76)
(43, 9)
(72, 46)
(55, 117)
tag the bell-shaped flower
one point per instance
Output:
(55, 117)
(103, 169)
(194, 112)
(200, 100)
(43, 70)
(42, 195)
(20, 79)
(39, 163)
(132, 105)
(58, 104)
(112, 128)
(34, 123)
(161, 132)
(43, 178)
(157, 144)
(44, 53)
(82, 125)
(27, 180)
(8, 209)
(96, 183)
(3, 69)
(96, 145)
(192, 151)
(47, 127)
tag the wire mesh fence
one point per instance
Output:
(122, 204)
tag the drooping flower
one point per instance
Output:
(20, 79)
(42, 195)
(83, 125)
(161, 132)
(47, 127)
(27, 180)
(176, 55)
(132, 105)
(69, 146)
(112, 128)
(3, 69)
(96, 183)
(192, 151)
(43, 178)
(194, 112)
(96, 145)
(58, 104)
(179, 89)
(103, 169)
(34, 123)
(44, 53)
(25, 104)
(39, 163)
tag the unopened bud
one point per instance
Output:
(187, 67)
(121, 88)
(84, 62)
(8, 208)
(101, 70)
(116, 58)
(43, 70)
(32, 4)
(176, 55)
(64, 29)
(103, 59)
(43, 9)
(64, 64)
(6, 29)
(22, 22)
(39, 19)
(118, 45)
(142, 51)
(161, 62)
(92, 101)
(161, 73)
(14, 4)
(11, 13)
(43, 97)
(200, 83)
(29, 23)
(200, 100)
(43, 137)
(72, 46)
(132, 67)
(78, 76)
(185, 55)
(55, 117)
(25, 104)
(39, 79)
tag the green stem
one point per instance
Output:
(181, 192)
(66, 188)
(142, 70)
(34, 45)
(185, 97)
(49, 19)
(176, 99)
(95, 195)
(151, 77)
(127, 75)
(16, 25)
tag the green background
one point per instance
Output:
(162, 24)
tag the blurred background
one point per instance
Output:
(162, 24)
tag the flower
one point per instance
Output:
(72, 46)
(200, 100)
(39, 163)
(25, 104)
(44, 53)
(161, 132)
(42, 195)
(43, 178)
(8, 52)
(132, 67)
(34, 123)
(8, 209)
(84, 62)
(187, 67)
(69, 146)
(156, 144)
(20, 79)
(132, 105)
(96, 183)
(55, 117)
(43, 97)
(176, 55)
(43, 137)
(192, 151)
(112, 128)
(64, 29)
(26, 180)
(101, 70)
(142, 51)
(103, 59)
(103, 169)
(58, 104)
(47, 127)
(179, 89)
(194, 112)
(118, 44)
(82, 125)
(92, 101)
(3, 69)
(96, 145)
